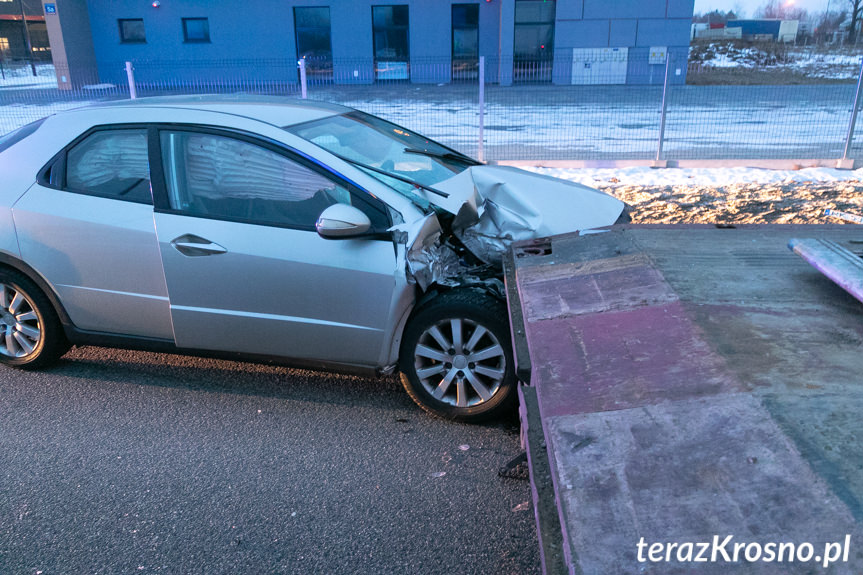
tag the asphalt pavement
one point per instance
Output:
(127, 462)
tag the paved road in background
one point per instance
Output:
(124, 462)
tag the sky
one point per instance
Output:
(750, 6)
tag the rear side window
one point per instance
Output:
(15, 136)
(111, 164)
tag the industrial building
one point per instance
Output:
(766, 29)
(367, 41)
(762, 30)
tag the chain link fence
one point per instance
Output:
(588, 105)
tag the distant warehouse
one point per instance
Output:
(755, 30)
(366, 41)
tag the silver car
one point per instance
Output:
(272, 230)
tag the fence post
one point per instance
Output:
(845, 163)
(480, 151)
(658, 161)
(130, 76)
(303, 86)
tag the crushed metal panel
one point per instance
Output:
(497, 205)
(428, 261)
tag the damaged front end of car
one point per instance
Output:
(482, 211)
(436, 257)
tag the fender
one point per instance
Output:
(10, 261)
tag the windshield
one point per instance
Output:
(370, 141)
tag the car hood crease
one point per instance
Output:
(495, 206)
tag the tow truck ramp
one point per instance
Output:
(686, 384)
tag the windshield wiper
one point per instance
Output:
(394, 176)
(444, 156)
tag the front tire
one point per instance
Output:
(30, 333)
(456, 358)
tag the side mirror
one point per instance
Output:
(342, 221)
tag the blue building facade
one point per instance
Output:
(367, 41)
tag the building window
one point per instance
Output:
(196, 30)
(534, 29)
(132, 30)
(314, 45)
(391, 42)
(533, 48)
(465, 41)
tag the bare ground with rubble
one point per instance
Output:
(741, 203)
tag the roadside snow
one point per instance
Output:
(796, 203)
(22, 77)
(14, 116)
(726, 195)
(827, 66)
(716, 177)
(812, 62)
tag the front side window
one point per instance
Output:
(220, 177)
(111, 164)
(132, 30)
(196, 30)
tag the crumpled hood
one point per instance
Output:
(493, 207)
(497, 205)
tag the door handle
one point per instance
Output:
(191, 245)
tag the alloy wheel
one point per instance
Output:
(20, 325)
(460, 362)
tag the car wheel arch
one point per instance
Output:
(421, 298)
(481, 302)
(11, 262)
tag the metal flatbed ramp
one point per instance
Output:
(691, 382)
(840, 264)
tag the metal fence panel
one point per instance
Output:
(574, 108)
(765, 122)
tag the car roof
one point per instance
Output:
(275, 110)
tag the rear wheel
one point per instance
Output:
(456, 357)
(30, 332)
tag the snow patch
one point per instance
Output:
(713, 177)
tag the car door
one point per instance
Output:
(246, 270)
(87, 227)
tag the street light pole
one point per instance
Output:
(27, 38)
